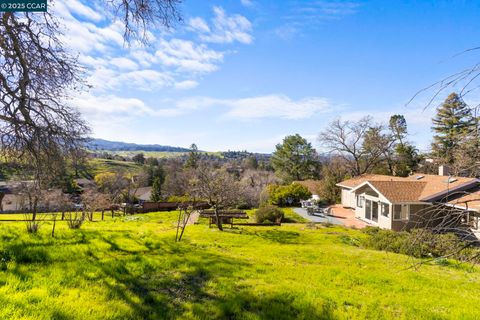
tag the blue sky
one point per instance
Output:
(242, 74)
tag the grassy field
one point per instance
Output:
(98, 165)
(130, 268)
(159, 154)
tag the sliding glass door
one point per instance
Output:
(375, 211)
(368, 209)
(371, 210)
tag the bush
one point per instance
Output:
(75, 220)
(287, 195)
(269, 214)
(419, 243)
(32, 226)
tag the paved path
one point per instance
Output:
(338, 215)
(317, 218)
(347, 216)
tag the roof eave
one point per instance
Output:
(437, 195)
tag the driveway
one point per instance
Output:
(338, 215)
(317, 218)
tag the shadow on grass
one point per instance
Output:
(196, 282)
(274, 235)
(176, 280)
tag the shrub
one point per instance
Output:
(287, 195)
(75, 220)
(419, 243)
(32, 225)
(269, 214)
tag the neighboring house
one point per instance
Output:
(144, 193)
(85, 183)
(399, 203)
(313, 186)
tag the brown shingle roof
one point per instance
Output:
(312, 185)
(469, 200)
(438, 184)
(416, 187)
(358, 180)
(400, 191)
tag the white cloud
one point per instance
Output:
(124, 63)
(276, 106)
(198, 24)
(225, 28)
(269, 106)
(188, 56)
(97, 107)
(247, 3)
(84, 11)
(311, 15)
(187, 84)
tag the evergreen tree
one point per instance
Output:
(193, 157)
(451, 124)
(295, 159)
(156, 194)
(405, 156)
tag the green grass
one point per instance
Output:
(291, 216)
(130, 268)
(98, 165)
(159, 154)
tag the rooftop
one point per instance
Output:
(417, 187)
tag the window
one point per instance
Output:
(360, 201)
(375, 211)
(400, 212)
(385, 208)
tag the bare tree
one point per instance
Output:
(185, 211)
(92, 201)
(252, 183)
(361, 144)
(138, 16)
(37, 73)
(217, 187)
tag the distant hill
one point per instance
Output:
(105, 145)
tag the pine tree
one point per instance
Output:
(193, 157)
(295, 159)
(156, 194)
(451, 124)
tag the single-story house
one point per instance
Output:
(402, 203)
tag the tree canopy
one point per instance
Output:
(295, 159)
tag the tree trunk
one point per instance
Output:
(2, 195)
(219, 222)
(53, 227)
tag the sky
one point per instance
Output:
(243, 74)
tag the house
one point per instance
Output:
(468, 200)
(313, 186)
(402, 203)
(143, 193)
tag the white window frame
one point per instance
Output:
(407, 211)
(381, 209)
(361, 200)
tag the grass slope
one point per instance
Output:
(130, 268)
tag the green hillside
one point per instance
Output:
(130, 268)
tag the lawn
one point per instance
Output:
(130, 268)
